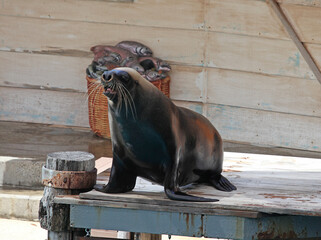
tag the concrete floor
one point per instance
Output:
(21, 230)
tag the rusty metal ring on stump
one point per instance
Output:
(69, 179)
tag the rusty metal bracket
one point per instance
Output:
(69, 179)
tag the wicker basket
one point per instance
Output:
(98, 105)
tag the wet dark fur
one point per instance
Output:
(154, 139)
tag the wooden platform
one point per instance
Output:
(277, 198)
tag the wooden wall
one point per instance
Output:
(232, 61)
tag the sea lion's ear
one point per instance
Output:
(136, 82)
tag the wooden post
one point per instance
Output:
(149, 236)
(65, 173)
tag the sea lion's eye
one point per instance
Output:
(125, 76)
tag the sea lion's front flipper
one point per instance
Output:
(121, 179)
(221, 183)
(180, 196)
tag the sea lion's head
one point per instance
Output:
(120, 87)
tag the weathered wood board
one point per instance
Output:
(312, 3)
(42, 71)
(260, 55)
(42, 106)
(189, 14)
(265, 127)
(235, 16)
(198, 48)
(265, 92)
(234, 123)
(35, 141)
(55, 35)
(197, 15)
(266, 184)
(197, 84)
(306, 21)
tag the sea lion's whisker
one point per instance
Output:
(131, 103)
(122, 98)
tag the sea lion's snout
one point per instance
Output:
(108, 76)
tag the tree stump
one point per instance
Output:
(65, 173)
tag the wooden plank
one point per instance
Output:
(183, 14)
(306, 55)
(243, 17)
(232, 146)
(260, 55)
(223, 227)
(315, 49)
(312, 3)
(269, 184)
(305, 20)
(158, 206)
(29, 140)
(264, 92)
(234, 123)
(238, 124)
(31, 34)
(254, 197)
(192, 14)
(188, 83)
(268, 128)
(43, 71)
(103, 164)
(270, 227)
(42, 106)
(137, 220)
(277, 57)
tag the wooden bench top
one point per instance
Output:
(266, 184)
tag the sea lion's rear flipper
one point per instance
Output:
(221, 183)
(180, 196)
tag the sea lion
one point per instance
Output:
(157, 140)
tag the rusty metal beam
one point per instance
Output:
(288, 27)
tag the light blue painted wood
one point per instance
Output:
(283, 227)
(185, 224)
(131, 220)
(269, 227)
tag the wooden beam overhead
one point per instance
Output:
(288, 27)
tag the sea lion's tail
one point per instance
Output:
(180, 196)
